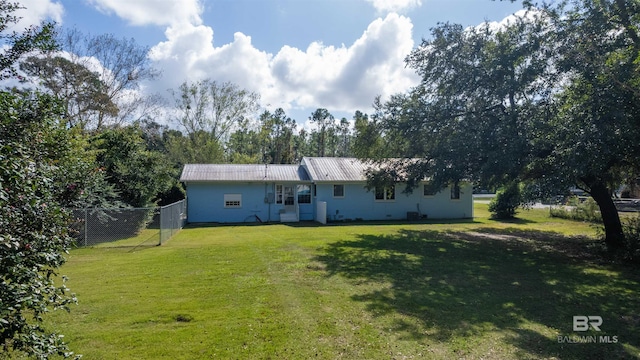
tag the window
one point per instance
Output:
(284, 194)
(455, 191)
(304, 194)
(428, 191)
(232, 201)
(385, 193)
(338, 190)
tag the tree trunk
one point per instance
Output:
(614, 236)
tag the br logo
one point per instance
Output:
(582, 323)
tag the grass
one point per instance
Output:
(439, 289)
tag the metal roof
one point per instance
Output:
(244, 173)
(335, 169)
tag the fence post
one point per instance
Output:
(86, 226)
(173, 223)
(161, 225)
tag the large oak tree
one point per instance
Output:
(550, 98)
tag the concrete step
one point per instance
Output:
(289, 217)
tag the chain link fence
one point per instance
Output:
(172, 218)
(128, 227)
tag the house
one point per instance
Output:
(319, 188)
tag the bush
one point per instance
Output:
(631, 229)
(587, 210)
(33, 226)
(506, 202)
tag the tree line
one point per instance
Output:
(134, 144)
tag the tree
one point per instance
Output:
(301, 145)
(139, 175)
(325, 123)
(367, 139)
(80, 182)
(344, 138)
(549, 99)
(209, 107)
(33, 226)
(277, 134)
(600, 47)
(98, 78)
(122, 66)
(81, 91)
(20, 43)
(196, 148)
(244, 145)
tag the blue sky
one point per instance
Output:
(297, 54)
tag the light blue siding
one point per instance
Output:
(359, 203)
(206, 202)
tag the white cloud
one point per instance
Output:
(36, 11)
(153, 12)
(520, 15)
(188, 54)
(337, 78)
(386, 6)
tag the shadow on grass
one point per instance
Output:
(526, 285)
(515, 220)
(314, 224)
(382, 222)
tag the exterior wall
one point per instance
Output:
(358, 203)
(206, 202)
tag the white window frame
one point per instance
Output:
(334, 191)
(232, 201)
(298, 194)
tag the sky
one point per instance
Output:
(299, 55)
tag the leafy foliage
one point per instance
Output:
(81, 90)
(631, 228)
(578, 210)
(138, 175)
(33, 226)
(549, 98)
(277, 136)
(506, 202)
(18, 44)
(213, 108)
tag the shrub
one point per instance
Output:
(587, 210)
(33, 227)
(506, 202)
(631, 229)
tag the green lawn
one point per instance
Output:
(452, 289)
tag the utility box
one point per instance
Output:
(321, 212)
(413, 215)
